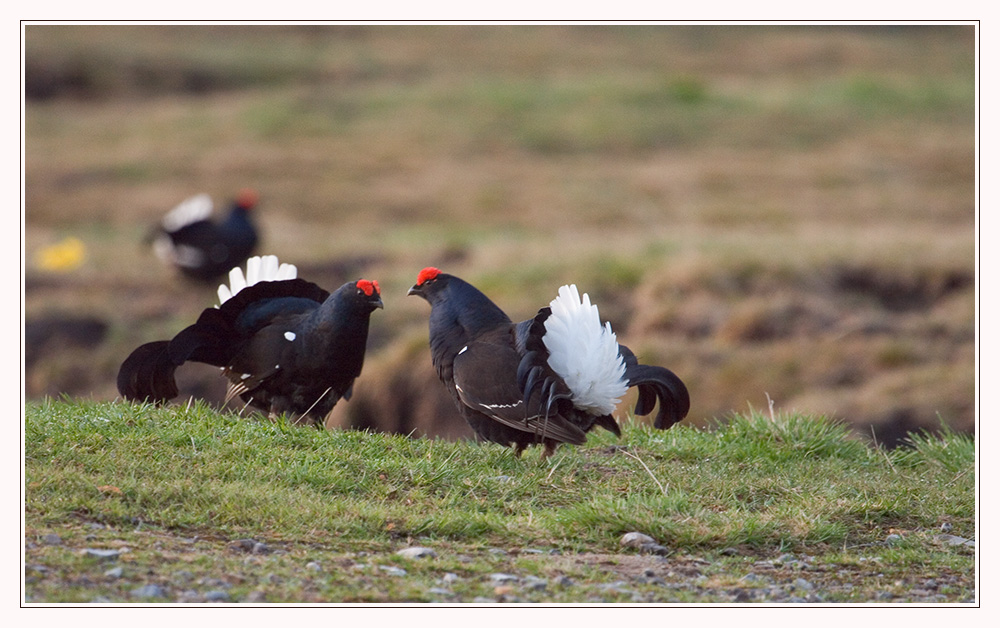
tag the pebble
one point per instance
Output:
(102, 554)
(564, 581)
(314, 566)
(644, 543)
(636, 539)
(802, 583)
(260, 548)
(893, 539)
(950, 539)
(417, 552)
(500, 578)
(115, 572)
(52, 539)
(449, 578)
(534, 583)
(148, 591)
(256, 597)
(217, 596)
(392, 571)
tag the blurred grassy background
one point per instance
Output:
(769, 211)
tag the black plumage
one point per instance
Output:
(499, 375)
(203, 249)
(285, 346)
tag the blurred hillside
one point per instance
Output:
(783, 212)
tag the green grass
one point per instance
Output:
(753, 487)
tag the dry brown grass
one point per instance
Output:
(785, 211)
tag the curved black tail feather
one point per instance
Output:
(656, 383)
(147, 374)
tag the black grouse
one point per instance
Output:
(285, 344)
(549, 379)
(201, 249)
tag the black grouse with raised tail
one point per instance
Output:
(204, 250)
(285, 344)
(549, 379)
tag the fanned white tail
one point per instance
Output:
(584, 353)
(259, 268)
(196, 208)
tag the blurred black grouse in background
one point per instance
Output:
(546, 380)
(201, 249)
(285, 344)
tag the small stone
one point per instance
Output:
(564, 581)
(102, 554)
(255, 597)
(534, 583)
(637, 540)
(114, 573)
(149, 591)
(802, 583)
(440, 591)
(417, 552)
(242, 545)
(496, 551)
(449, 578)
(392, 571)
(217, 596)
(893, 539)
(52, 539)
(946, 527)
(501, 578)
(260, 548)
(750, 577)
(313, 565)
(949, 539)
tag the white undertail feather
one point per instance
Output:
(584, 353)
(191, 210)
(259, 268)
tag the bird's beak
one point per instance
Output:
(414, 290)
(378, 302)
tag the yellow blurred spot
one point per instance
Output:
(62, 256)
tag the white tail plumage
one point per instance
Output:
(196, 208)
(259, 268)
(584, 353)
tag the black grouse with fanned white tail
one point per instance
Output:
(547, 380)
(200, 248)
(286, 345)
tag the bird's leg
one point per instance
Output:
(550, 448)
(518, 450)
